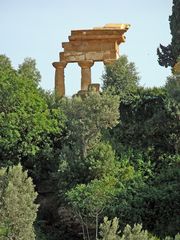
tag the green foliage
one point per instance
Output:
(173, 87)
(101, 161)
(86, 120)
(26, 122)
(163, 197)
(177, 237)
(121, 77)
(6, 68)
(154, 201)
(109, 231)
(174, 20)
(40, 235)
(31, 129)
(90, 200)
(136, 233)
(167, 56)
(79, 152)
(18, 210)
(149, 122)
(28, 70)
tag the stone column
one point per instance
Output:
(59, 78)
(85, 73)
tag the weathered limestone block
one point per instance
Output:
(72, 56)
(86, 46)
(114, 37)
(94, 87)
(82, 93)
(93, 56)
(122, 26)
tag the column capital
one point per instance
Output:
(61, 64)
(86, 63)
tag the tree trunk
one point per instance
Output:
(97, 227)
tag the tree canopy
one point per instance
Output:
(26, 122)
(113, 153)
(121, 77)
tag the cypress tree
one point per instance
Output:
(17, 207)
(168, 55)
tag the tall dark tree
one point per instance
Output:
(167, 55)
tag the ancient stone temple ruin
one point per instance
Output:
(86, 47)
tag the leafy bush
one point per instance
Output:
(109, 231)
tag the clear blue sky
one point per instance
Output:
(36, 28)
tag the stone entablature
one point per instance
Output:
(87, 46)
